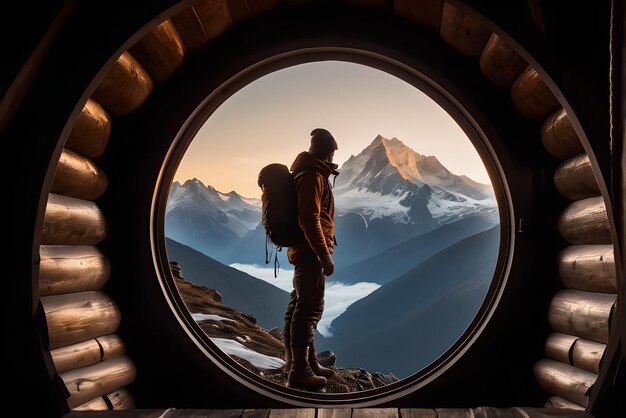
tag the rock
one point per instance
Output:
(326, 358)
(277, 333)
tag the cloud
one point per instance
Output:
(338, 296)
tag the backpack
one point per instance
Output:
(279, 209)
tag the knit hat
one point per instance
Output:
(322, 142)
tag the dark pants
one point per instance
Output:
(307, 300)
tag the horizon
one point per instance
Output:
(257, 125)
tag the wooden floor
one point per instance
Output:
(486, 412)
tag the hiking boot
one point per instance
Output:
(301, 376)
(317, 368)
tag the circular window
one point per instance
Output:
(420, 214)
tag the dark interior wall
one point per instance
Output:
(173, 373)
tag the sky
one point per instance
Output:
(270, 121)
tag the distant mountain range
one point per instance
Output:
(208, 220)
(384, 196)
(410, 321)
(397, 260)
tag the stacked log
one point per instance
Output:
(463, 31)
(425, 12)
(125, 87)
(160, 52)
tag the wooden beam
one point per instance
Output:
(585, 222)
(88, 352)
(463, 31)
(561, 403)
(245, 9)
(588, 267)
(584, 314)
(97, 404)
(120, 399)
(564, 380)
(91, 132)
(125, 87)
(587, 355)
(558, 136)
(500, 63)
(99, 379)
(77, 317)
(78, 176)
(375, 413)
(531, 96)
(575, 180)
(71, 221)
(71, 268)
(160, 52)
(559, 347)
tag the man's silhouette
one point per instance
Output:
(312, 260)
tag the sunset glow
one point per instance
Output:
(270, 121)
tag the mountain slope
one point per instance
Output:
(429, 306)
(239, 290)
(208, 220)
(392, 263)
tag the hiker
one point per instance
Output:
(312, 260)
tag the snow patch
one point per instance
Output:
(258, 360)
(205, 317)
(371, 205)
(446, 211)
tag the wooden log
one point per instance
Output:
(111, 345)
(575, 180)
(121, 399)
(500, 63)
(91, 131)
(425, 12)
(77, 317)
(587, 355)
(586, 222)
(76, 356)
(564, 380)
(215, 17)
(255, 413)
(125, 87)
(585, 314)
(417, 413)
(245, 9)
(71, 221)
(375, 413)
(559, 347)
(88, 352)
(226, 413)
(99, 379)
(454, 413)
(160, 52)
(97, 404)
(558, 136)
(561, 403)
(334, 413)
(293, 413)
(588, 267)
(531, 96)
(78, 176)
(462, 31)
(189, 28)
(71, 268)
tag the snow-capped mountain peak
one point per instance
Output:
(388, 178)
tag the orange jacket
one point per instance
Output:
(316, 206)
